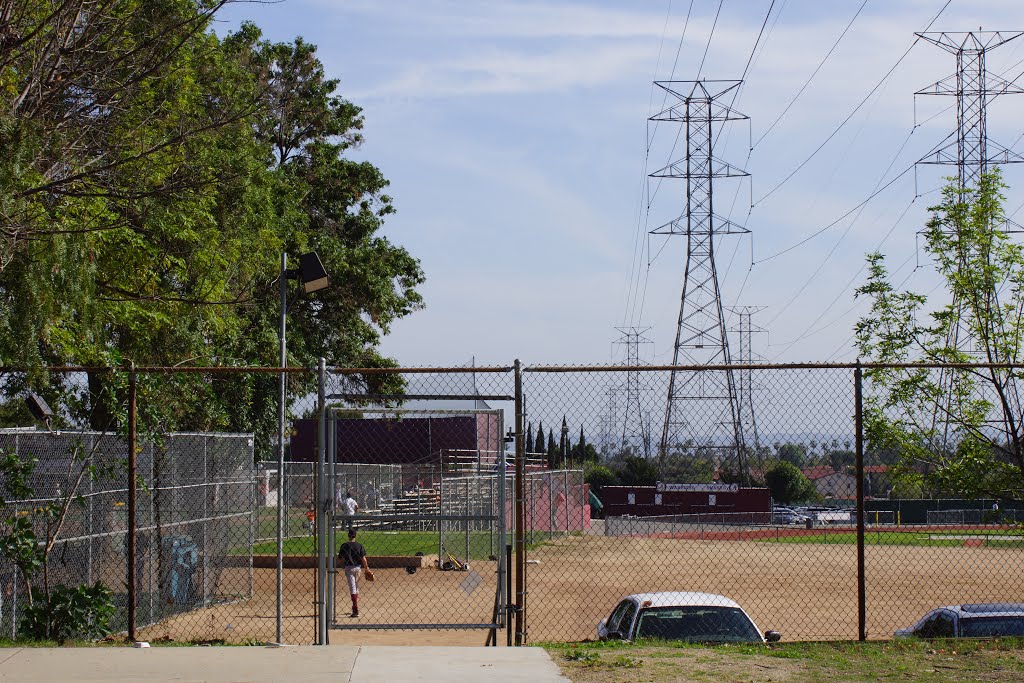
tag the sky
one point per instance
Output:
(515, 135)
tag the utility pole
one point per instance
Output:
(700, 402)
(636, 427)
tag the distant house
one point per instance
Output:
(832, 484)
(842, 485)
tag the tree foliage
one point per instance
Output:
(956, 431)
(788, 484)
(638, 471)
(794, 453)
(152, 175)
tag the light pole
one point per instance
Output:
(314, 278)
(565, 441)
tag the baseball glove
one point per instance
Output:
(370, 576)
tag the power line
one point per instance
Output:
(643, 217)
(634, 269)
(710, 36)
(815, 73)
(849, 227)
(807, 332)
(852, 113)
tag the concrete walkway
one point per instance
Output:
(334, 664)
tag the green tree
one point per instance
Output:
(638, 471)
(538, 445)
(583, 452)
(840, 459)
(788, 484)
(599, 476)
(794, 453)
(159, 241)
(687, 469)
(958, 431)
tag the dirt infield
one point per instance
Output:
(806, 591)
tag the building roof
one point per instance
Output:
(819, 471)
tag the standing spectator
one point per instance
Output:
(352, 556)
(349, 507)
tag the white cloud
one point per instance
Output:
(507, 71)
(527, 20)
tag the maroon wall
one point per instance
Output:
(393, 442)
(616, 501)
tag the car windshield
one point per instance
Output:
(697, 624)
(987, 627)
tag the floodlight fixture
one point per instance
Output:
(37, 406)
(312, 273)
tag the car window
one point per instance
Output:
(937, 626)
(989, 627)
(616, 617)
(944, 627)
(627, 619)
(697, 624)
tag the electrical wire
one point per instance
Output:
(811, 78)
(633, 268)
(643, 220)
(852, 113)
(808, 331)
(835, 246)
(710, 36)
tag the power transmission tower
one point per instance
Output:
(745, 331)
(973, 87)
(701, 403)
(609, 422)
(972, 153)
(636, 423)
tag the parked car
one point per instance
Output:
(691, 617)
(986, 620)
(788, 517)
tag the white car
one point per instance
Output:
(691, 617)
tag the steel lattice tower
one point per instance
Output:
(745, 331)
(973, 87)
(609, 422)
(700, 403)
(972, 152)
(636, 423)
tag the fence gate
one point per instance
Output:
(431, 489)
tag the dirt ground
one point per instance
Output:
(805, 591)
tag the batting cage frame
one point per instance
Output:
(435, 533)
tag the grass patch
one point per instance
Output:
(393, 543)
(906, 661)
(929, 539)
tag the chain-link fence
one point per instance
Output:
(194, 521)
(827, 503)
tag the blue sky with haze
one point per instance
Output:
(515, 137)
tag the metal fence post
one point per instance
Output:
(322, 502)
(132, 521)
(282, 400)
(520, 514)
(858, 398)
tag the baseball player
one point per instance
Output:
(352, 556)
